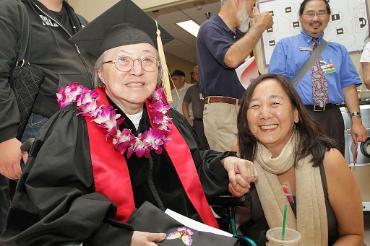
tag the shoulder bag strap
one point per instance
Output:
(78, 22)
(25, 34)
(309, 63)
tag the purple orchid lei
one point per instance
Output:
(106, 117)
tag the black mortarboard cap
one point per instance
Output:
(124, 23)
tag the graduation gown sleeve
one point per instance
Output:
(55, 201)
(212, 174)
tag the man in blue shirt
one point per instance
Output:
(291, 53)
(220, 49)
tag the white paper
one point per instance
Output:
(195, 225)
(247, 71)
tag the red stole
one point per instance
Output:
(112, 178)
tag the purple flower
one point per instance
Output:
(89, 109)
(107, 118)
(158, 94)
(125, 139)
(160, 107)
(86, 98)
(138, 147)
(153, 138)
(68, 95)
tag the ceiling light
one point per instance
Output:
(190, 26)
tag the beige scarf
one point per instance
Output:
(311, 219)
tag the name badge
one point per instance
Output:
(328, 68)
(305, 48)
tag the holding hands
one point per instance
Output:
(241, 173)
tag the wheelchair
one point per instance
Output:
(226, 204)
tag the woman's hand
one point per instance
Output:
(241, 173)
(10, 158)
(140, 238)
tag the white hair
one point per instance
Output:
(97, 67)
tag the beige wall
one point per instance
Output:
(91, 8)
(174, 62)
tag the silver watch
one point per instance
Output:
(355, 114)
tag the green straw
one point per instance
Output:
(284, 222)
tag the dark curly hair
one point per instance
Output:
(311, 141)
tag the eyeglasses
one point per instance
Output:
(125, 63)
(319, 14)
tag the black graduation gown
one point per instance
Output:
(55, 201)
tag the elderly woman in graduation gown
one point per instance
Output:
(111, 149)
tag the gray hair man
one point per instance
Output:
(224, 41)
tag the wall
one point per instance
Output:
(94, 7)
(174, 62)
(356, 55)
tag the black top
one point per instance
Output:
(63, 17)
(193, 96)
(213, 41)
(56, 202)
(50, 50)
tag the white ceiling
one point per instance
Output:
(149, 5)
(184, 44)
(167, 13)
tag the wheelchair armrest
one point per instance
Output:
(26, 145)
(228, 201)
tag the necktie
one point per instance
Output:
(319, 82)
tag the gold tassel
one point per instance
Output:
(165, 74)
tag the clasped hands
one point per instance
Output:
(241, 173)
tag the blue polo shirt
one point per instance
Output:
(291, 53)
(213, 41)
